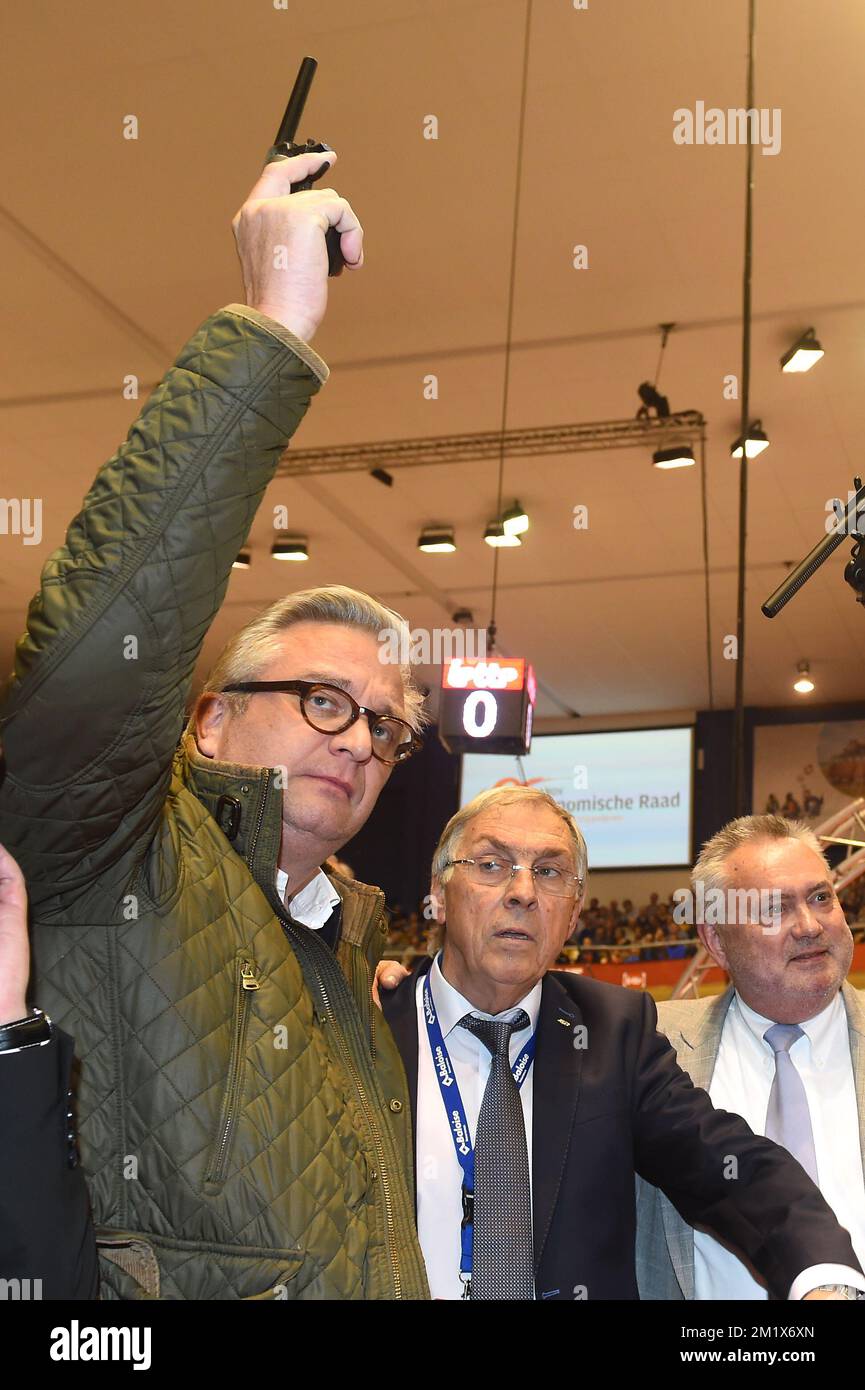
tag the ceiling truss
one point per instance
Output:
(687, 427)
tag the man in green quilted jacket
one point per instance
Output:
(243, 1115)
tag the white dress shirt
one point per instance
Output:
(439, 1175)
(312, 905)
(741, 1082)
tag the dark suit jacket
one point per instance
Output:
(619, 1105)
(45, 1229)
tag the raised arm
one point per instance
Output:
(92, 712)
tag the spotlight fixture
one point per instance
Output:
(463, 615)
(290, 548)
(803, 354)
(436, 540)
(755, 442)
(381, 475)
(804, 684)
(495, 534)
(515, 520)
(243, 561)
(682, 456)
(652, 400)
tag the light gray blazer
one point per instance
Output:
(665, 1243)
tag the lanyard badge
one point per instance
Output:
(458, 1122)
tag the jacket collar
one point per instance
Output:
(854, 1003)
(399, 1007)
(696, 1035)
(246, 804)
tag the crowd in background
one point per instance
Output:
(609, 934)
(618, 933)
(853, 902)
(615, 933)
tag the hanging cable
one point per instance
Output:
(491, 630)
(665, 333)
(739, 792)
(705, 511)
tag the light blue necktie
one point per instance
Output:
(788, 1119)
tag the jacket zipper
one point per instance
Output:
(246, 984)
(260, 818)
(382, 1169)
(346, 1051)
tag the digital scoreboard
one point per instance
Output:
(487, 704)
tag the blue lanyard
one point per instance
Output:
(457, 1120)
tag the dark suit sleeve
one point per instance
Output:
(719, 1175)
(45, 1228)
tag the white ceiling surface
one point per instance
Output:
(115, 250)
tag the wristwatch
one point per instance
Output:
(845, 1290)
(33, 1031)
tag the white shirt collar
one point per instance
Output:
(451, 1006)
(311, 905)
(818, 1030)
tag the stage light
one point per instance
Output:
(680, 457)
(243, 561)
(436, 540)
(755, 442)
(804, 684)
(381, 475)
(515, 520)
(495, 534)
(803, 354)
(290, 548)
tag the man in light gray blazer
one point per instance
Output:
(766, 910)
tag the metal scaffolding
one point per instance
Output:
(687, 427)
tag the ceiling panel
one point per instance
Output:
(115, 250)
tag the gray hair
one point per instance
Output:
(452, 834)
(747, 830)
(251, 649)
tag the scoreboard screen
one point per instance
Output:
(487, 705)
(631, 790)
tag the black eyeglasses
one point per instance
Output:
(330, 710)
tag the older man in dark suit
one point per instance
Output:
(537, 1096)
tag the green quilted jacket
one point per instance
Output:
(243, 1114)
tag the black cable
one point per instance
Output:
(510, 325)
(665, 333)
(739, 793)
(705, 511)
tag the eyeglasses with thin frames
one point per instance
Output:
(492, 871)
